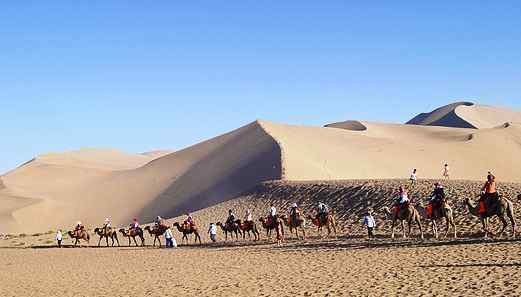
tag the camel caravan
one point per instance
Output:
(404, 212)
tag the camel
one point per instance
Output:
(77, 235)
(272, 226)
(300, 223)
(188, 231)
(330, 223)
(234, 228)
(249, 227)
(157, 231)
(133, 233)
(406, 214)
(107, 233)
(444, 212)
(503, 209)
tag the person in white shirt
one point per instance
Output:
(272, 215)
(370, 222)
(213, 232)
(249, 217)
(169, 238)
(404, 197)
(413, 177)
(59, 238)
(272, 211)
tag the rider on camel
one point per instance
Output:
(189, 221)
(106, 224)
(79, 227)
(322, 211)
(230, 221)
(437, 198)
(403, 199)
(272, 214)
(489, 194)
(134, 225)
(248, 219)
(159, 222)
(294, 213)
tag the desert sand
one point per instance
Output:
(317, 268)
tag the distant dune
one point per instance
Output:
(55, 190)
(467, 115)
(158, 153)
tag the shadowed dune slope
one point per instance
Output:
(467, 115)
(62, 192)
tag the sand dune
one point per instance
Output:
(202, 175)
(467, 115)
(55, 190)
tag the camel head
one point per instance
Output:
(97, 230)
(123, 231)
(147, 228)
(219, 224)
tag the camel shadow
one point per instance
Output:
(381, 243)
(501, 265)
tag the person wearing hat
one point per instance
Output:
(370, 223)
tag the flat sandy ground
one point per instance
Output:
(340, 267)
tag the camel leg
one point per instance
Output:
(420, 227)
(107, 240)
(303, 233)
(392, 229)
(403, 228)
(434, 229)
(99, 242)
(505, 224)
(135, 242)
(510, 214)
(484, 223)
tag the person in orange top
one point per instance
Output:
(489, 194)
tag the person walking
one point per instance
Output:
(446, 173)
(370, 223)
(414, 177)
(213, 232)
(59, 238)
(169, 238)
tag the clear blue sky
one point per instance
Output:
(168, 74)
